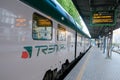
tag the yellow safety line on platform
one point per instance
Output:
(79, 77)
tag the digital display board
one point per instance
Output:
(44, 22)
(103, 18)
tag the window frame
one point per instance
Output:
(63, 27)
(41, 16)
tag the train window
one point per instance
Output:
(61, 33)
(41, 27)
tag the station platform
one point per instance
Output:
(95, 66)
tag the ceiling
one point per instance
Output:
(85, 7)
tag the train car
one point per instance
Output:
(36, 39)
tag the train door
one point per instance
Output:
(71, 44)
(79, 45)
(61, 42)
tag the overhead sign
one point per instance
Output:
(103, 18)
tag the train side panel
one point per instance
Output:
(32, 43)
(21, 57)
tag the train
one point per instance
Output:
(38, 40)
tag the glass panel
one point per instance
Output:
(42, 28)
(61, 33)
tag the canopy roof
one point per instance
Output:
(85, 8)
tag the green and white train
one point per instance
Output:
(38, 40)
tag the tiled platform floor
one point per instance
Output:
(95, 66)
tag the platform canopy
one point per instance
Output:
(100, 16)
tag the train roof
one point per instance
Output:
(55, 11)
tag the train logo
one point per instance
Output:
(45, 49)
(28, 53)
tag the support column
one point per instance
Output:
(106, 50)
(104, 44)
(101, 43)
(109, 45)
